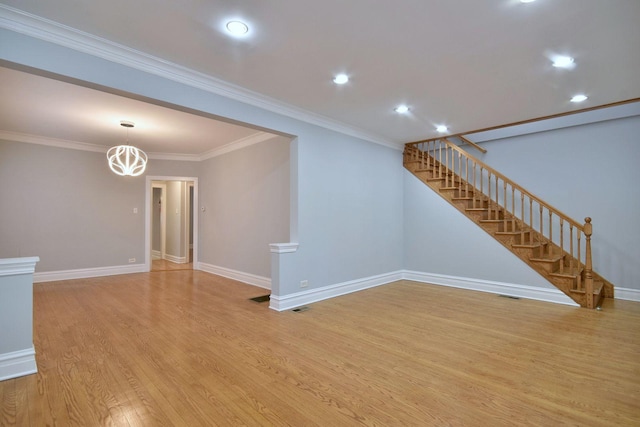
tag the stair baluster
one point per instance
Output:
(588, 269)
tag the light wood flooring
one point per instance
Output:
(186, 348)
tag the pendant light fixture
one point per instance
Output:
(127, 160)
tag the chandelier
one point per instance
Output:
(127, 160)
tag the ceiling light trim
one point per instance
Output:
(50, 31)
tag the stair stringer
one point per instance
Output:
(569, 284)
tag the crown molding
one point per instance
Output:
(174, 156)
(85, 146)
(50, 31)
(51, 142)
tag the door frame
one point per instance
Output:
(149, 213)
(163, 217)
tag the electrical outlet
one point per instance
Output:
(304, 283)
(132, 260)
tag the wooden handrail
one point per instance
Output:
(505, 179)
(471, 143)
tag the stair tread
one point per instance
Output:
(528, 246)
(597, 288)
(510, 233)
(567, 273)
(555, 258)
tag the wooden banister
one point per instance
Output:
(497, 174)
(558, 237)
(471, 143)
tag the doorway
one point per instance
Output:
(171, 223)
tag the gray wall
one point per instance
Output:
(246, 198)
(350, 210)
(68, 208)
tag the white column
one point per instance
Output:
(280, 255)
(17, 354)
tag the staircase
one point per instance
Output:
(550, 242)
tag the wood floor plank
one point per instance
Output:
(182, 347)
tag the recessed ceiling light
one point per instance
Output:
(442, 128)
(527, 1)
(237, 28)
(563, 62)
(579, 98)
(340, 79)
(402, 109)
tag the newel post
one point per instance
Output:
(588, 268)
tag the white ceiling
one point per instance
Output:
(469, 64)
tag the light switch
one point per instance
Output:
(135, 210)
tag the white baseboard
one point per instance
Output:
(627, 294)
(288, 302)
(251, 279)
(510, 289)
(18, 363)
(176, 259)
(83, 273)
(156, 254)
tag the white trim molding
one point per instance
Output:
(291, 301)
(15, 266)
(248, 278)
(18, 363)
(84, 273)
(627, 294)
(508, 289)
(173, 258)
(85, 146)
(298, 299)
(283, 248)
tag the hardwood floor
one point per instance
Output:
(187, 348)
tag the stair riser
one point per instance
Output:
(547, 266)
(507, 240)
